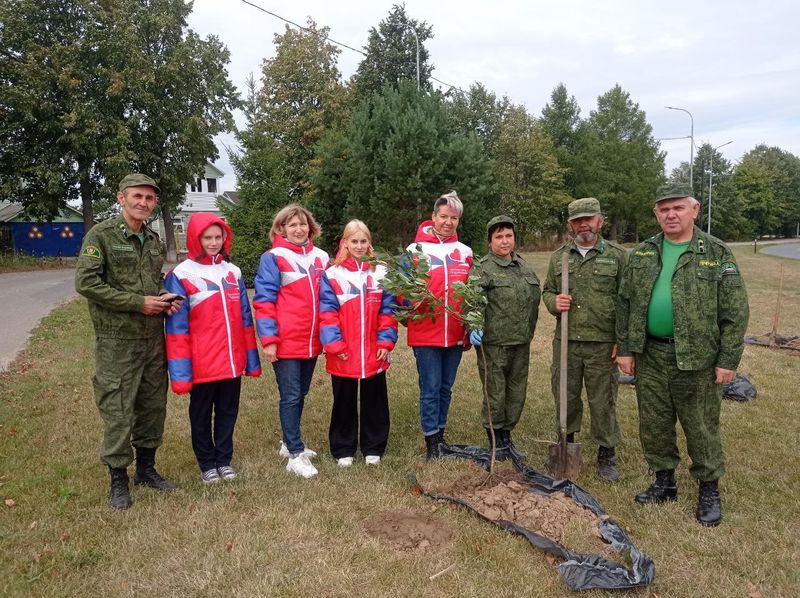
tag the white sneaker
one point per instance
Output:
(210, 476)
(283, 452)
(372, 459)
(345, 461)
(300, 465)
(227, 472)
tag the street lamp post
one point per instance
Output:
(691, 149)
(710, 181)
(416, 38)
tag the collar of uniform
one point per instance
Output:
(696, 245)
(504, 263)
(599, 247)
(127, 232)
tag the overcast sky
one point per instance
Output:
(734, 65)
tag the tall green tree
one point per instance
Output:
(388, 167)
(561, 120)
(530, 180)
(391, 54)
(301, 97)
(478, 111)
(619, 162)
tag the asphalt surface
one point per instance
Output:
(791, 250)
(26, 297)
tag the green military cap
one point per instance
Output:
(674, 191)
(497, 222)
(581, 208)
(137, 180)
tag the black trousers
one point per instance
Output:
(374, 421)
(213, 442)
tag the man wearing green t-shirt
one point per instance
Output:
(681, 317)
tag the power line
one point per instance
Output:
(333, 41)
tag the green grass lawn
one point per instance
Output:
(273, 534)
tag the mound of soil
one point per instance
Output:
(408, 531)
(506, 495)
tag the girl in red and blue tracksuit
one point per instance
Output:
(358, 331)
(286, 304)
(210, 342)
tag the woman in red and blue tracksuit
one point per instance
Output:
(286, 304)
(210, 342)
(358, 331)
(439, 343)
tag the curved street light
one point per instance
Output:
(710, 180)
(416, 38)
(691, 150)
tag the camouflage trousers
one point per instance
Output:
(664, 394)
(130, 389)
(507, 385)
(589, 363)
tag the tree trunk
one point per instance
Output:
(87, 197)
(169, 234)
(613, 232)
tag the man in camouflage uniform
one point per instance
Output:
(681, 317)
(119, 272)
(503, 347)
(595, 271)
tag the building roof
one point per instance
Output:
(212, 172)
(13, 211)
(232, 196)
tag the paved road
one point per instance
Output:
(26, 297)
(791, 250)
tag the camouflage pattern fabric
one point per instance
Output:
(507, 369)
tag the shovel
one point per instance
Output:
(564, 458)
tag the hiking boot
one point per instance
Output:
(210, 476)
(663, 489)
(372, 459)
(515, 452)
(227, 473)
(284, 452)
(432, 447)
(344, 461)
(442, 441)
(146, 474)
(607, 464)
(709, 509)
(301, 465)
(119, 497)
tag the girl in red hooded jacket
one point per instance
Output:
(358, 332)
(210, 342)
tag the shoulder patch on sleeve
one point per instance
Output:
(729, 268)
(91, 251)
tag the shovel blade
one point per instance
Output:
(565, 460)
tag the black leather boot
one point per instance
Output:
(663, 489)
(607, 464)
(432, 447)
(146, 474)
(442, 441)
(709, 507)
(119, 497)
(515, 452)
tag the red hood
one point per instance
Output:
(279, 241)
(425, 234)
(355, 265)
(198, 223)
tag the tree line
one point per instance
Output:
(92, 89)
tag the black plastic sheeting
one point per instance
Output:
(741, 389)
(578, 571)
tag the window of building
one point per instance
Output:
(212, 185)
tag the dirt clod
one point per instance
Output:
(408, 531)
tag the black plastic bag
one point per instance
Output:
(741, 389)
(578, 571)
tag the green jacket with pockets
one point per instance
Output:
(115, 271)
(593, 284)
(709, 303)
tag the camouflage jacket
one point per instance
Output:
(115, 271)
(512, 291)
(709, 303)
(593, 284)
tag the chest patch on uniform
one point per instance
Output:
(729, 268)
(709, 264)
(122, 248)
(605, 260)
(91, 251)
(644, 253)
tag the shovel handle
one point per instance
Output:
(562, 388)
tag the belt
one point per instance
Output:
(663, 340)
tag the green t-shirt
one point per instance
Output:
(659, 311)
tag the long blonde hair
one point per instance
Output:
(350, 229)
(286, 214)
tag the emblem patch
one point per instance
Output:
(91, 251)
(729, 268)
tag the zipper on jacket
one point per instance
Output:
(228, 328)
(361, 314)
(313, 309)
(446, 297)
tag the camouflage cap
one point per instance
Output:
(581, 208)
(497, 222)
(674, 191)
(136, 180)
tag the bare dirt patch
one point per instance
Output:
(410, 532)
(506, 495)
